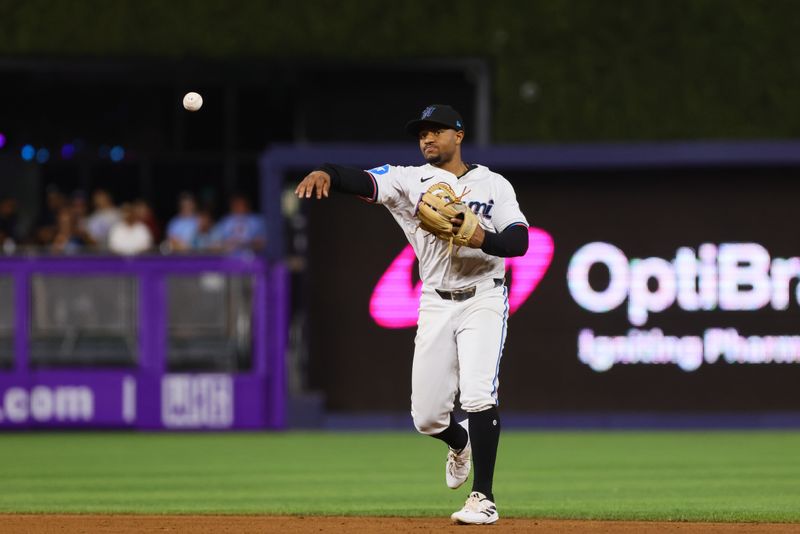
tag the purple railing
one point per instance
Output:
(148, 396)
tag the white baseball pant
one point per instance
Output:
(458, 347)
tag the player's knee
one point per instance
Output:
(430, 424)
(478, 403)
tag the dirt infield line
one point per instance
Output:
(201, 524)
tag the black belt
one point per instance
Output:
(466, 293)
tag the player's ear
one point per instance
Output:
(459, 136)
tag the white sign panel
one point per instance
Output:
(197, 401)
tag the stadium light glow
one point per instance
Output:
(117, 154)
(2, 140)
(67, 151)
(28, 152)
(42, 155)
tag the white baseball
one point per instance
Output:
(192, 101)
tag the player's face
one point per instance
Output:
(439, 145)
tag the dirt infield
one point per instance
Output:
(125, 524)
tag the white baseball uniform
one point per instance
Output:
(459, 343)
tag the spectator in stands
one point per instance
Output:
(80, 214)
(47, 222)
(9, 231)
(145, 214)
(129, 235)
(67, 239)
(104, 216)
(240, 230)
(182, 229)
(204, 238)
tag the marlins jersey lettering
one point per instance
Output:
(488, 194)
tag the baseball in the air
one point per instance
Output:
(192, 101)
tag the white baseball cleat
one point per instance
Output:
(478, 510)
(458, 462)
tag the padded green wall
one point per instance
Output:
(602, 70)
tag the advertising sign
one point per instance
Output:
(57, 385)
(642, 290)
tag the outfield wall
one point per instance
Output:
(178, 343)
(661, 278)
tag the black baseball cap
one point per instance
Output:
(438, 114)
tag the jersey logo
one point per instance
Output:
(383, 169)
(395, 302)
(481, 208)
(423, 180)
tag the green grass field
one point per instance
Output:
(715, 476)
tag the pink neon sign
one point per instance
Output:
(395, 302)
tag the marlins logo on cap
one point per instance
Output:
(436, 114)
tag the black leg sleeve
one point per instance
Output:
(454, 435)
(484, 435)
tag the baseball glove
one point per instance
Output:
(435, 209)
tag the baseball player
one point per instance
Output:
(464, 304)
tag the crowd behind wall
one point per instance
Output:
(74, 223)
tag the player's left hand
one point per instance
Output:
(477, 238)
